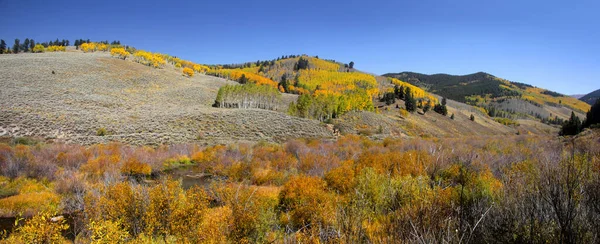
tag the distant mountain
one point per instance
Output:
(510, 99)
(591, 97)
(577, 95)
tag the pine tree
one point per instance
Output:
(452, 117)
(26, 45)
(301, 64)
(593, 116)
(572, 126)
(2, 46)
(16, 46)
(444, 101)
(351, 65)
(284, 83)
(409, 101)
(31, 44)
(426, 107)
(472, 118)
(243, 79)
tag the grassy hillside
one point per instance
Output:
(139, 97)
(133, 103)
(491, 93)
(591, 97)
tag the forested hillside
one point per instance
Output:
(327, 89)
(591, 97)
(499, 97)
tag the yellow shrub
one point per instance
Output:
(31, 197)
(188, 72)
(101, 47)
(107, 231)
(56, 48)
(88, 47)
(135, 167)
(200, 68)
(39, 48)
(29, 203)
(40, 229)
(119, 52)
(155, 60)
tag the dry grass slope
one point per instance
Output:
(136, 104)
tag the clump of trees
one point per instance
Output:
(327, 106)
(574, 125)
(119, 53)
(248, 96)
(441, 108)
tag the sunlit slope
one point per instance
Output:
(132, 102)
(493, 93)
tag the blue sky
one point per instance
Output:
(550, 44)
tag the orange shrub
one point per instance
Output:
(188, 72)
(306, 202)
(135, 167)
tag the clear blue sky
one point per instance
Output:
(550, 44)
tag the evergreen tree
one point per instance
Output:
(243, 79)
(399, 91)
(389, 98)
(472, 118)
(409, 100)
(351, 65)
(444, 101)
(284, 83)
(2, 46)
(452, 117)
(441, 109)
(572, 126)
(426, 107)
(26, 45)
(16, 46)
(301, 64)
(593, 116)
(31, 44)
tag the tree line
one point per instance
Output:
(28, 45)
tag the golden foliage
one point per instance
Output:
(88, 47)
(235, 74)
(56, 48)
(306, 202)
(31, 197)
(134, 167)
(40, 229)
(188, 72)
(337, 82)
(155, 60)
(119, 53)
(39, 48)
(416, 92)
(107, 232)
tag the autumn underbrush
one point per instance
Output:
(352, 190)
